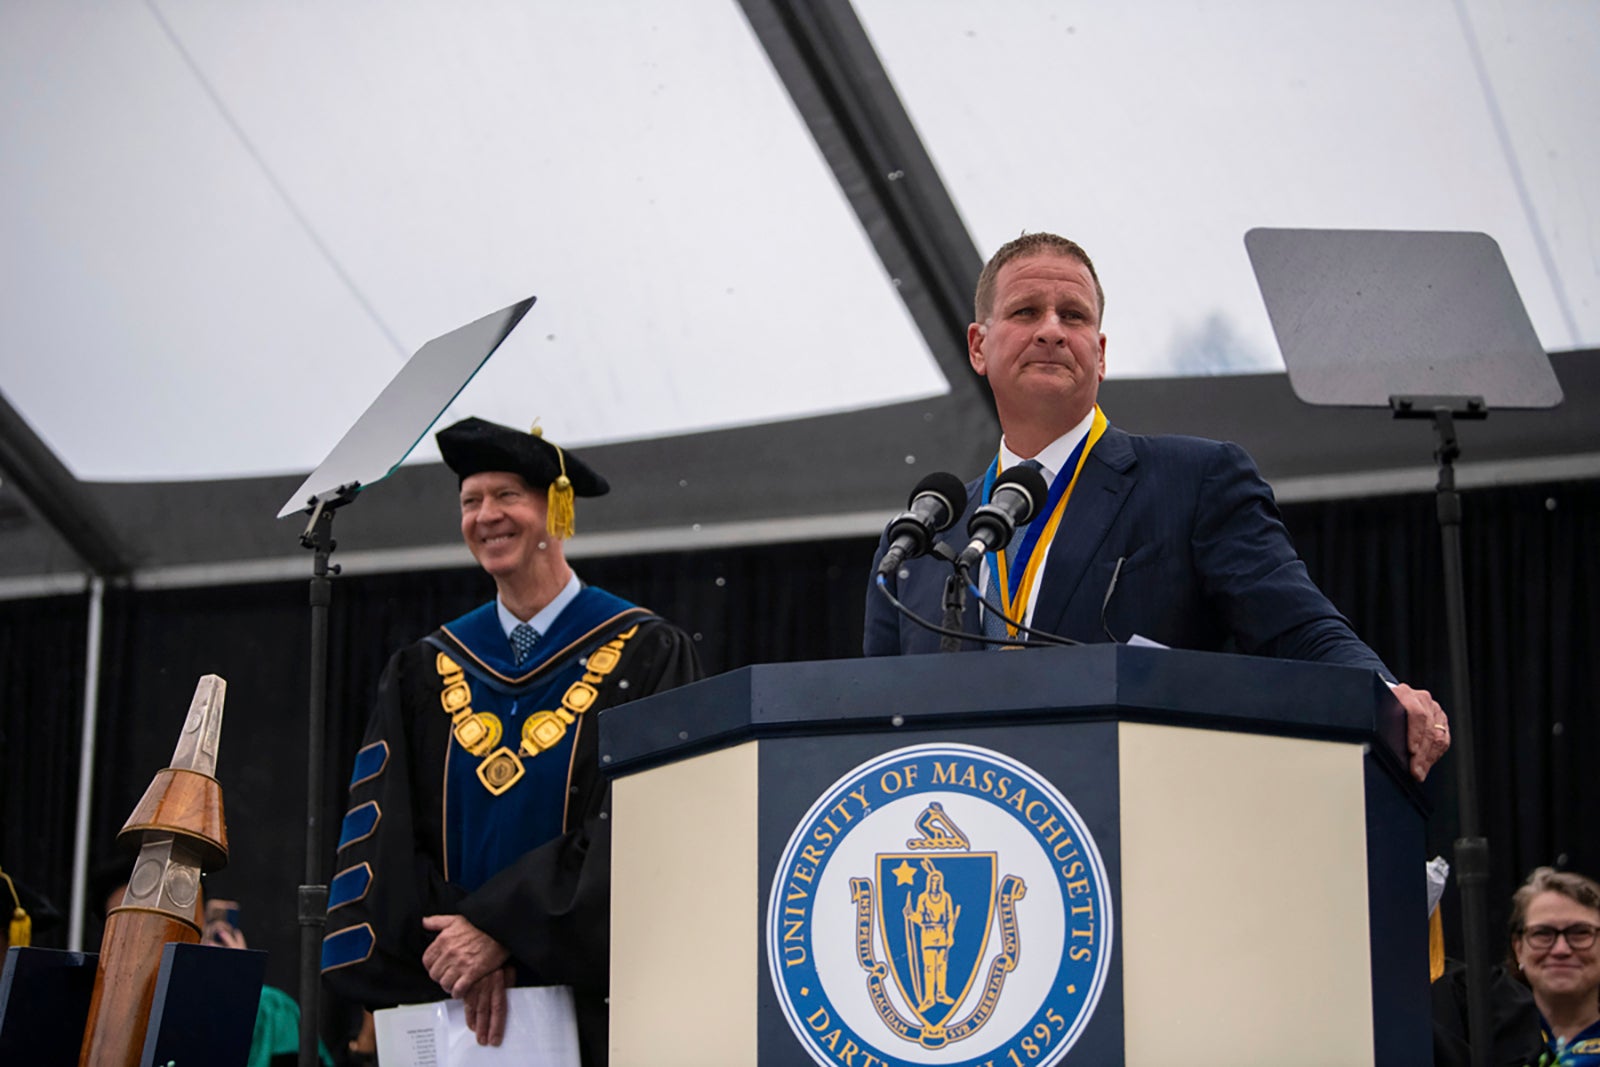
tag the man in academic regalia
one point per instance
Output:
(476, 851)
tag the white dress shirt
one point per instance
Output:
(546, 616)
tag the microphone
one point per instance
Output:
(1106, 603)
(935, 504)
(1018, 495)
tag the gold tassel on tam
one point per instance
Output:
(20, 932)
(559, 511)
(559, 515)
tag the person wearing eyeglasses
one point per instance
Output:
(1554, 919)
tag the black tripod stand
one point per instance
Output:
(311, 902)
(1429, 325)
(1471, 848)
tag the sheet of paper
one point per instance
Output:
(541, 1031)
(412, 1035)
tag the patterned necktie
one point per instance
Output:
(993, 625)
(523, 638)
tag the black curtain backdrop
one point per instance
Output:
(1532, 574)
(1531, 564)
(41, 730)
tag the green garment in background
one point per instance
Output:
(278, 1030)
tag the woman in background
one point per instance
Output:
(1554, 919)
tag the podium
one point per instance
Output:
(1183, 858)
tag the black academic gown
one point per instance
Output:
(427, 834)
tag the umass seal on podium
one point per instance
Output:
(940, 904)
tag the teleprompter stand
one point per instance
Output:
(370, 451)
(1429, 325)
(311, 901)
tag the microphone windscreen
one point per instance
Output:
(1029, 481)
(948, 486)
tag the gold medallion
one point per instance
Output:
(455, 697)
(479, 732)
(604, 659)
(543, 730)
(579, 696)
(500, 771)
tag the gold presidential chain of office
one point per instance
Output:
(479, 732)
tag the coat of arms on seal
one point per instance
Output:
(940, 904)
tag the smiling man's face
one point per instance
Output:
(502, 521)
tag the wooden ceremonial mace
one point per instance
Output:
(180, 831)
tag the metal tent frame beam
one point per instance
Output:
(59, 498)
(825, 60)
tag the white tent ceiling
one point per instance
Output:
(225, 226)
(1156, 134)
(252, 213)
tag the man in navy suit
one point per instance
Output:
(1175, 539)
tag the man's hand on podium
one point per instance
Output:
(1427, 728)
